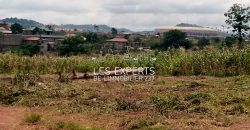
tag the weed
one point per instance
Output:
(124, 105)
(163, 103)
(143, 123)
(200, 109)
(245, 88)
(194, 85)
(66, 125)
(236, 110)
(198, 96)
(33, 118)
(233, 100)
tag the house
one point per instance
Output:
(8, 41)
(116, 45)
(30, 31)
(4, 28)
(50, 42)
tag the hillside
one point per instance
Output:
(91, 28)
(24, 22)
(187, 25)
(86, 27)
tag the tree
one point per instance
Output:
(37, 31)
(1, 36)
(127, 36)
(175, 39)
(75, 45)
(229, 41)
(96, 28)
(153, 43)
(16, 28)
(29, 49)
(203, 42)
(137, 39)
(50, 27)
(238, 18)
(114, 31)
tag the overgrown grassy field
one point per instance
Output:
(192, 103)
(211, 90)
(215, 62)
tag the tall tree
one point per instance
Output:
(229, 41)
(16, 28)
(114, 31)
(238, 18)
(37, 31)
(75, 45)
(1, 36)
(96, 28)
(175, 39)
(203, 42)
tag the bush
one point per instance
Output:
(66, 125)
(163, 103)
(142, 123)
(75, 45)
(229, 41)
(28, 49)
(175, 39)
(33, 118)
(203, 42)
(236, 110)
(125, 105)
(198, 96)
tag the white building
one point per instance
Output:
(192, 32)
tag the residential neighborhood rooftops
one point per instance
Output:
(4, 25)
(33, 28)
(117, 40)
(3, 30)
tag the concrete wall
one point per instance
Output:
(8, 41)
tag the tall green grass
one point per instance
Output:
(215, 62)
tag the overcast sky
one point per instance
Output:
(133, 14)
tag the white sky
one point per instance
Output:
(132, 14)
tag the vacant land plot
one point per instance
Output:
(198, 102)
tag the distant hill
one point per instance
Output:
(91, 28)
(87, 27)
(24, 22)
(187, 25)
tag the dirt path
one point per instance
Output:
(11, 117)
(241, 126)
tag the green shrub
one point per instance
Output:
(236, 110)
(28, 49)
(199, 96)
(66, 125)
(33, 118)
(200, 109)
(144, 123)
(233, 100)
(164, 103)
(124, 105)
